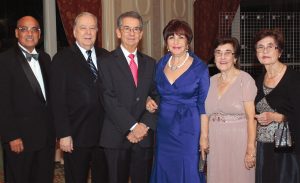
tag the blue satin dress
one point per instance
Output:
(178, 127)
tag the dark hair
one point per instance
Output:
(131, 14)
(235, 44)
(275, 33)
(179, 27)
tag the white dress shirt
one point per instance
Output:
(36, 69)
(126, 53)
(94, 57)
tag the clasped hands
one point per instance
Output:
(266, 118)
(138, 133)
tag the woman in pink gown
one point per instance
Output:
(228, 129)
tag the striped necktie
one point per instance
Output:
(91, 65)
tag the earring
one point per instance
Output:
(187, 49)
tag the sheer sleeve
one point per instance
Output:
(249, 89)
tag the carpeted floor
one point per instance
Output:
(58, 174)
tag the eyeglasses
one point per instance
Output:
(128, 29)
(227, 53)
(27, 29)
(268, 48)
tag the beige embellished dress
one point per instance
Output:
(228, 130)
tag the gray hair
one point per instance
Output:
(85, 14)
(131, 14)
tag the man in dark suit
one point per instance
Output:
(77, 103)
(27, 129)
(127, 133)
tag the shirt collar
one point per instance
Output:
(83, 51)
(33, 51)
(126, 52)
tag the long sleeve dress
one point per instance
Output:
(178, 126)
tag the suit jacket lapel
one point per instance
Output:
(45, 77)
(141, 68)
(30, 76)
(123, 64)
(82, 61)
(98, 58)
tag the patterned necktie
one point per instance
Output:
(30, 55)
(91, 65)
(133, 68)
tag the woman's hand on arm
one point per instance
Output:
(151, 105)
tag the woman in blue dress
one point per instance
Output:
(182, 82)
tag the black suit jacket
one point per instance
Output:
(124, 103)
(24, 112)
(76, 98)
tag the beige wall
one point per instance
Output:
(156, 14)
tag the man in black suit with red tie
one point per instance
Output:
(27, 130)
(128, 129)
(77, 103)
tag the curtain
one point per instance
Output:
(206, 23)
(69, 9)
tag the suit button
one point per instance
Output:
(137, 99)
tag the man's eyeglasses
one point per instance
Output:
(225, 53)
(128, 29)
(27, 29)
(268, 48)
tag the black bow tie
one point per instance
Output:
(30, 55)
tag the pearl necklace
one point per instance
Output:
(175, 67)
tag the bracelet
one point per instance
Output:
(252, 155)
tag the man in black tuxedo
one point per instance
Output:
(26, 125)
(127, 133)
(77, 103)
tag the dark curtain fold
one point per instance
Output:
(206, 23)
(69, 9)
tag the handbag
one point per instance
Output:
(282, 136)
(202, 163)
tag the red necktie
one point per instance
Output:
(133, 68)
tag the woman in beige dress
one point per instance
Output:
(228, 129)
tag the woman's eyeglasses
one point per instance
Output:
(268, 48)
(227, 53)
